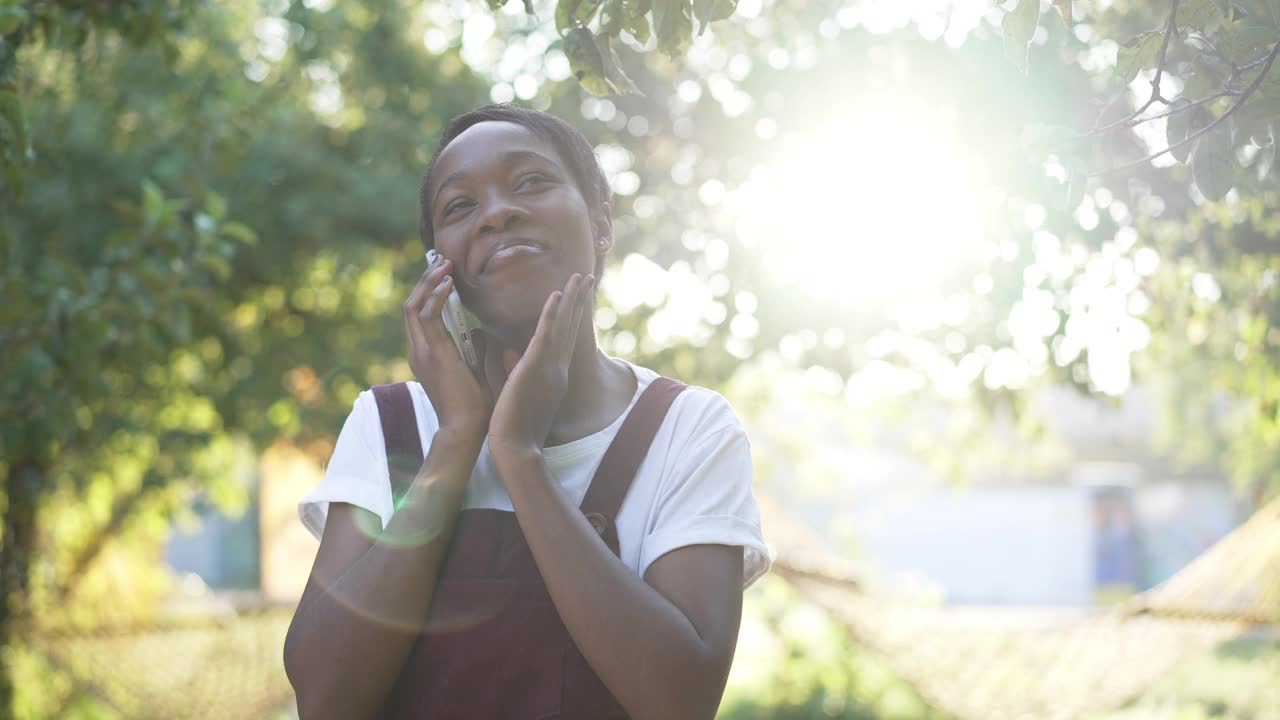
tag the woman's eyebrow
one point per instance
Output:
(514, 155)
(507, 157)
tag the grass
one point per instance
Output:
(795, 663)
(1238, 680)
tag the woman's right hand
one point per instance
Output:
(460, 400)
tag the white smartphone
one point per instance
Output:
(458, 321)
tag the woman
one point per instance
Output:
(577, 538)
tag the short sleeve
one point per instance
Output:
(707, 499)
(356, 472)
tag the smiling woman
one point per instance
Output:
(561, 534)
(874, 206)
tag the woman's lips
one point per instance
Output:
(508, 255)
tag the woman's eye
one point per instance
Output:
(456, 205)
(530, 180)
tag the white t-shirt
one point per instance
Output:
(693, 487)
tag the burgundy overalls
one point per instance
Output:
(494, 647)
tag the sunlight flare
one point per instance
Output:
(872, 207)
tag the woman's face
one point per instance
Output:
(508, 213)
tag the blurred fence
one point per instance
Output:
(212, 667)
(1007, 664)
(992, 664)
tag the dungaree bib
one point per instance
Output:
(494, 647)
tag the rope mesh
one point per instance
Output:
(1009, 664)
(988, 664)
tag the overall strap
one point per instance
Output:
(621, 461)
(400, 434)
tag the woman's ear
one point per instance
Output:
(602, 227)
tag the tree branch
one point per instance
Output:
(1170, 30)
(1251, 65)
(1244, 97)
(120, 513)
(1133, 121)
(1200, 37)
(1132, 118)
(1189, 105)
(79, 684)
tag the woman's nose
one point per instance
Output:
(499, 214)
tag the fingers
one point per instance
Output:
(430, 319)
(422, 310)
(561, 316)
(564, 318)
(581, 307)
(426, 284)
(576, 292)
(544, 333)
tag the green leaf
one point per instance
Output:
(565, 10)
(618, 80)
(215, 205)
(1245, 40)
(11, 18)
(1260, 106)
(1252, 123)
(180, 322)
(637, 8)
(1267, 158)
(1203, 15)
(613, 15)
(585, 61)
(38, 368)
(1200, 85)
(496, 4)
(708, 11)
(1064, 9)
(1137, 53)
(572, 14)
(596, 64)
(152, 202)
(1213, 164)
(1019, 25)
(633, 17)
(13, 179)
(1176, 129)
(11, 112)
(241, 232)
(1266, 12)
(220, 268)
(638, 27)
(673, 23)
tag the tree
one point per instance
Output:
(1222, 54)
(218, 226)
(146, 331)
(72, 22)
(1211, 254)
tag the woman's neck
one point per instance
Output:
(600, 389)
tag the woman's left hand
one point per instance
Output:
(533, 389)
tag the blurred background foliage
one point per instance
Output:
(208, 226)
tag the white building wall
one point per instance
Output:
(1029, 545)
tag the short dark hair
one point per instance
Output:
(568, 141)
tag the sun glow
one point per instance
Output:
(875, 207)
